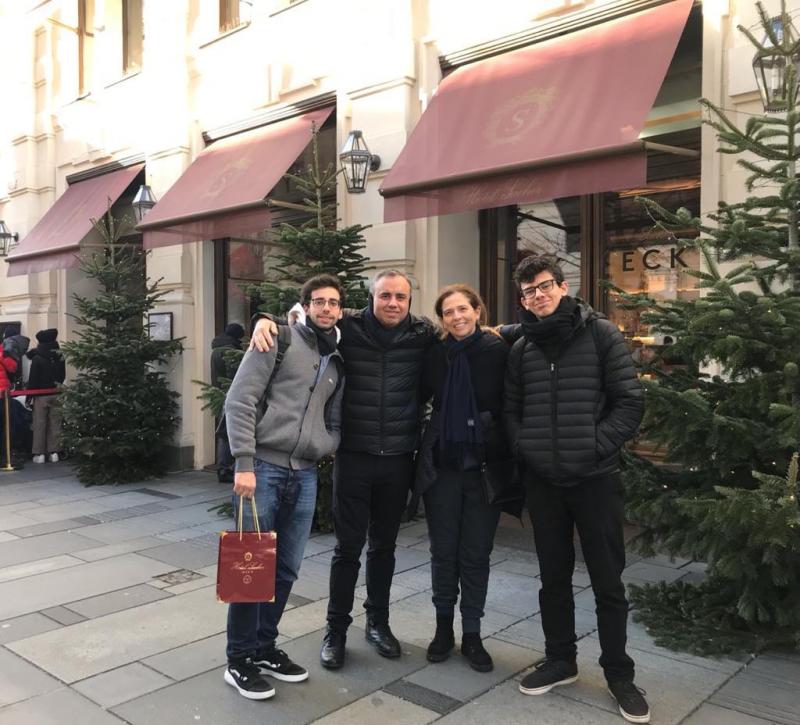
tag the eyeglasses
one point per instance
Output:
(320, 302)
(530, 292)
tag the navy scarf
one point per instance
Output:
(461, 432)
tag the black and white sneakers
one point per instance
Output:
(547, 675)
(632, 705)
(246, 678)
(276, 663)
(247, 675)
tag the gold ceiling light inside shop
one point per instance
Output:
(776, 62)
(357, 162)
(7, 239)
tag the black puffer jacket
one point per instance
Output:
(568, 419)
(47, 364)
(382, 397)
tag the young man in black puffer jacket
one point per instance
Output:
(572, 400)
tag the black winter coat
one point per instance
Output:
(568, 419)
(47, 366)
(487, 364)
(381, 410)
(219, 368)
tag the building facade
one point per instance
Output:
(194, 96)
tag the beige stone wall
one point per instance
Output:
(379, 57)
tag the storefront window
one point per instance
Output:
(641, 258)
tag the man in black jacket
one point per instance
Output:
(572, 399)
(383, 348)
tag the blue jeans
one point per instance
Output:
(285, 500)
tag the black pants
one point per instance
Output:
(595, 508)
(369, 497)
(461, 528)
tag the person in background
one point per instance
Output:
(230, 339)
(465, 372)
(47, 372)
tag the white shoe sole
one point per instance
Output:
(247, 693)
(546, 688)
(629, 717)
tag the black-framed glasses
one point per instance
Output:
(320, 302)
(530, 292)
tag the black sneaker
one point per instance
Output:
(547, 675)
(247, 679)
(276, 663)
(632, 705)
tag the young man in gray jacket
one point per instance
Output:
(276, 455)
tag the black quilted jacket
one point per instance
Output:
(567, 419)
(382, 397)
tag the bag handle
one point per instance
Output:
(255, 516)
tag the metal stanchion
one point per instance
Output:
(7, 430)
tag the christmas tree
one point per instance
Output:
(727, 417)
(119, 413)
(314, 247)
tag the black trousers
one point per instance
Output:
(369, 497)
(461, 528)
(595, 508)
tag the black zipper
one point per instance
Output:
(554, 418)
(382, 411)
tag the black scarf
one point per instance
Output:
(550, 332)
(384, 336)
(326, 339)
(461, 432)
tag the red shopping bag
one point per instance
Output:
(246, 563)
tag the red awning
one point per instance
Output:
(222, 193)
(556, 119)
(55, 240)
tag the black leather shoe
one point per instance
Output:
(331, 656)
(381, 638)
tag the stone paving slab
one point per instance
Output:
(25, 626)
(512, 593)
(674, 689)
(106, 551)
(11, 521)
(21, 680)
(5, 536)
(63, 616)
(714, 715)
(456, 679)
(528, 632)
(98, 645)
(192, 659)
(40, 566)
(120, 685)
(60, 587)
(50, 709)
(505, 704)
(207, 699)
(380, 707)
(183, 555)
(766, 688)
(644, 571)
(117, 601)
(20, 550)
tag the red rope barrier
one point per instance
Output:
(35, 391)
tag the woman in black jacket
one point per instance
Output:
(465, 374)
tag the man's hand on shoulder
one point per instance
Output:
(244, 484)
(264, 335)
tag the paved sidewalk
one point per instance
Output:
(108, 615)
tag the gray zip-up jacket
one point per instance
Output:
(302, 423)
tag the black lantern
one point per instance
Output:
(778, 51)
(7, 239)
(143, 202)
(357, 162)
